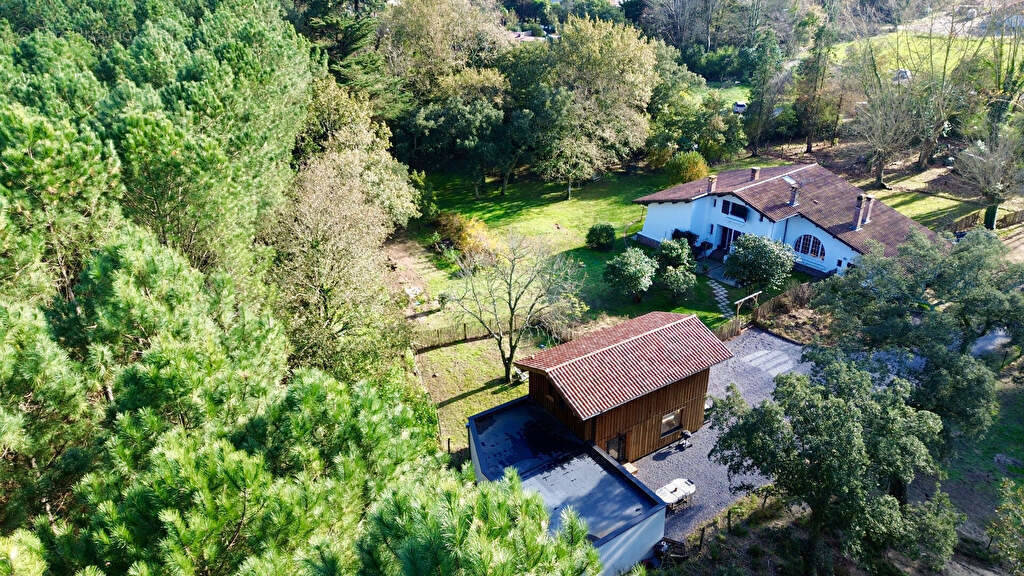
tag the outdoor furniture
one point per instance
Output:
(677, 493)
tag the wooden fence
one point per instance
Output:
(796, 296)
(428, 338)
(730, 329)
(972, 220)
(1011, 219)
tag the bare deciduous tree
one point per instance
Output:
(890, 119)
(995, 169)
(521, 284)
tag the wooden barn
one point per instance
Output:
(632, 388)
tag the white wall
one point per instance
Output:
(664, 217)
(698, 215)
(834, 249)
(622, 552)
(712, 214)
(475, 458)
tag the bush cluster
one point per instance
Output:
(601, 237)
(467, 235)
(686, 166)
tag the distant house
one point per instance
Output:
(606, 398)
(829, 222)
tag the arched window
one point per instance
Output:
(811, 246)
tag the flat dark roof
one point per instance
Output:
(564, 470)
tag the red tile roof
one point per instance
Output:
(609, 367)
(825, 198)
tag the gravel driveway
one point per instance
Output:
(757, 358)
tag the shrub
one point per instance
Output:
(632, 271)
(601, 237)
(760, 262)
(686, 166)
(678, 281)
(467, 235)
(675, 253)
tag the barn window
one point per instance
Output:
(671, 422)
(810, 246)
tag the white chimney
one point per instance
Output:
(858, 212)
(711, 183)
(755, 173)
(794, 195)
(871, 203)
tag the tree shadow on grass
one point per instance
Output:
(495, 386)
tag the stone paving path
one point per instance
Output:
(721, 297)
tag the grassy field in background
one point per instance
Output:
(918, 51)
(731, 92)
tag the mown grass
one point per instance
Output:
(923, 197)
(731, 92)
(534, 208)
(463, 380)
(919, 52)
(1006, 436)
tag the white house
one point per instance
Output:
(828, 221)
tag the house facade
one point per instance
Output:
(827, 221)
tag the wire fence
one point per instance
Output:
(430, 338)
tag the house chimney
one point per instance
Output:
(755, 173)
(794, 195)
(858, 213)
(871, 203)
(711, 183)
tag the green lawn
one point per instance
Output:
(917, 51)
(731, 92)
(535, 208)
(973, 474)
(932, 210)
(923, 197)
(463, 380)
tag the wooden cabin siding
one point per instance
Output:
(544, 393)
(639, 419)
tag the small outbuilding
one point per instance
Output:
(595, 403)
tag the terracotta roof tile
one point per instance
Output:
(607, 368)
(825, 199)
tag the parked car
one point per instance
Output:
(901, 76)
(739, 107)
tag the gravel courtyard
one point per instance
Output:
(757, 358)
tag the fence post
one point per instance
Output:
(700, 545)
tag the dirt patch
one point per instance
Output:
(803, 325)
